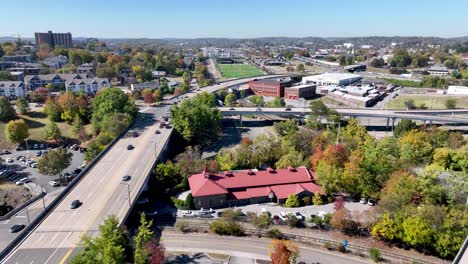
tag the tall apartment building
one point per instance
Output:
(54, 39)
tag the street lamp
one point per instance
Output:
(128, 194)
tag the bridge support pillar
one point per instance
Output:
(388, 122)
(240, 118)
(393, 123)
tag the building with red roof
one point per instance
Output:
(215, 190)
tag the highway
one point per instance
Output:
(246, 248)
(428, 115)
(101, 191)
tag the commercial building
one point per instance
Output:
(438, 70)
(457, 90)
(12, 89)
(53, 39)
(332, 79)
(274, 88)
(305, 91)
(226, 189)
(145, 85)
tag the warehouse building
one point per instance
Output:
(326, 79)
(305, 91)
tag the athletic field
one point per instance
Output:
(239, 70)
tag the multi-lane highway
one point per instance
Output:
(101, 191)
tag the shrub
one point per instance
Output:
(183, 227)
(293, 221)
(327, 245)
(306, 201)
(317, 199)
(226, 228)
(375, 254)
(189, 201)
(178, 203)
(275, 234)
(341, 248)
(292, 201)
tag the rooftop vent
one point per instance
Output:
(271, 170)
(291, 169)
(250, 172)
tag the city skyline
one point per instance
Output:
(211, 19)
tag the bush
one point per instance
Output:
(226, 228)
(341, 248)
(183, 227)
(375, 254)
(306, 201)
(328, 245)
(275, 234)
(189, 201)
(293, 222)
(178, 203)
(292, 201)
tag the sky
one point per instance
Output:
(235, 18)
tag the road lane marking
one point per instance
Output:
(59, 247)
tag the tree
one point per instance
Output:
(52, 132)
(292, 201)
(257, 100)
(115, 123)
(317, 199)
(157, 95)
(54, 162)
(400, 58)
(300, 67)
(387, 228)
(375, 254)
(415, 147)
(283, 252)
(230, 99)
(277, 102)
(108, 247)
(377, 62)
(418, 232)
(226, 160)
(147, 96)
(156, 252)
(400, 190)
(22, 106)
(451, 103)
(143, 236)
(342, 220)
(261, 221)
(17, 131)
(189, 201)
(409, 104)
(6, 111)
(404, 126)
(292, 158)
(52, 109)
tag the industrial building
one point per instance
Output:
(326, 79)
(305, 91)
(274, 88)
(53, 39)
(457, 90)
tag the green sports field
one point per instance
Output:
(239, 70)
(437, 101)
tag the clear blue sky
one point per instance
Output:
(235, 18)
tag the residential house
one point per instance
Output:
(12, 89)
(88, 85)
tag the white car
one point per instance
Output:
(283, 216)
(53, 183)
(187, 214)
(22, 181)
(299, 216)
(9, 160)
(206, 211)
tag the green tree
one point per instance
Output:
(377, 62)
(400, 58)
(108, 247)
(22, 106)
(6, 111)
(418, 232)
(157, 96)
(292, 158)
(17, 131)
(292, 201)
(54, 162)
(189, 201)
(451, 103)
(401, 190)
(115, 123)
(409, 104)
(286, 127)
(387, 228)
(51, 131)
(226, 160)
(277, 102)
(261, 221)
(300, 67)
(230, 99)
(6, 76)
(143, 236)
(257, 100)
(317, 199)
(52, 109)
(77, 125)
(404, 126)
(415, 147)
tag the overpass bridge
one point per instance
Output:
(58, 235)
(430, 116)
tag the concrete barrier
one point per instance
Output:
(22, 206)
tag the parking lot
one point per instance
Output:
(18, 169)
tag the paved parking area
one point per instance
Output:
(37, 180)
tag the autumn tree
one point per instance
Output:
(283, 252)
(148, 97)
(400, 190)
(292, 201)
(22, 106)
(52, 132)
(157, 95)
(404, 126)
(17, 131)
(415, 147)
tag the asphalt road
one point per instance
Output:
(247, 248)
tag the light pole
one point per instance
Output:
(128, 194)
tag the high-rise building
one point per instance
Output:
(54, 39)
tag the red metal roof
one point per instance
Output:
(254, 183)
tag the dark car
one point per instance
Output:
(75, 204)
(135, 134)
(82, 150)
(130, 147)
(157, 132)
(77, 170)
(16, 228)
(232, 109)
(166, 118)
(126, 178)
(168, 126)
(288, 109)
(6, 151)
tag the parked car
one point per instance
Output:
(77, 170)
(35, 146)
(130, 147)
(126, 178)
(82, 150)
(371, 202)
(9, 160)
(299, 216)
(75, 204)
(39, 153)
(288, 109)
(54, 183)
(277, 220)
(23, 181)
(33, 165)
(17, 228)
(232, 109)
(363, 200)
(19, 157)
(41, 146)
(283, 216)
(205, 211)
(157, 132)
(135, 134)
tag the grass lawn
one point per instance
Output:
(437, 101)
(37, 121)
(239, 70)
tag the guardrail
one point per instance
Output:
(59, 197)
(204, 225)
(22, 206)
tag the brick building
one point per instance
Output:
(274, 88)
(305, 91)
(217, 190)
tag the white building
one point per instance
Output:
(88, 85)
(348, 45)
(457, 90)
(12, 89)
(146, 85)
(326, 79)
(438, 70)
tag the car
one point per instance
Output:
(35, 146)
(33, 165)
(17, 228)
(126, 178)
(277, 220)
(283, 216)
(6, 151)
(168, 126)
(135, 134)
(205, 211)
(9, 160)
(75, 204)
(153, 213)
(232, 109)
(22, 158)
(73, 146)
(259, 109)
(19, 148)
(371, 202)
(142, 201)
(23, 181)
(39, 153)
(299, 216)
(157, 132)
(130, 147)
(363, 200)
(76, 148)
(19, 157)
(82, 150)
(288, 109)
(41, 146)
(54, 183)
(77, 170)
